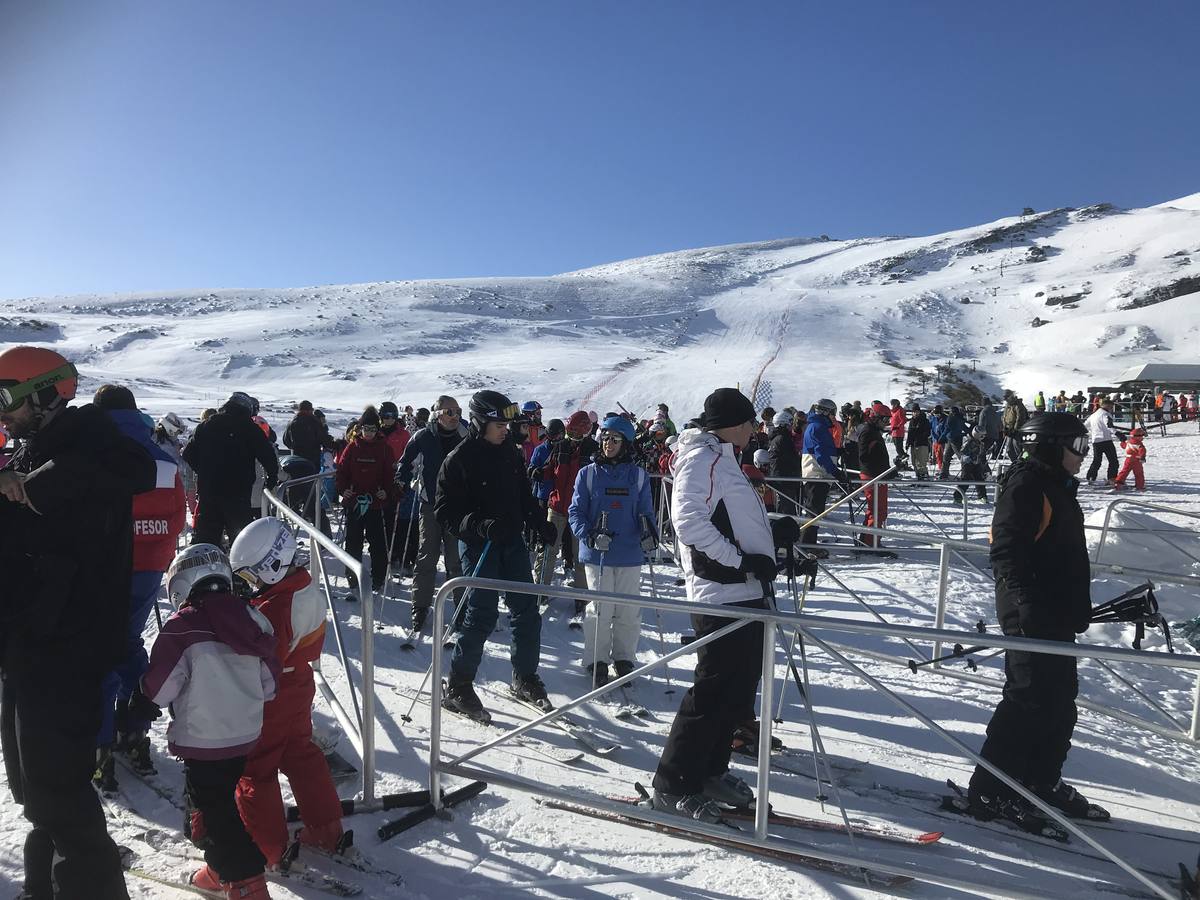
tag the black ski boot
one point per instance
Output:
(745, 739)
(136, 748)
(986, 807)
(1070, 802)
(105, 776)
(598, 675)
(419, 615)
(530, 689)
(460, 697)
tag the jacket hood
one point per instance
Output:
(132, 424)
(230, 619)
(694, 437)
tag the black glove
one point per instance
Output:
(271, 481)
(547, 532)
(800, 567)
(785, 530)
(761, 566)
(142, 707)
(495, 530)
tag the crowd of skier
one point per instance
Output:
(89, 536)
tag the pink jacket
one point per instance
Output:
(215, 664)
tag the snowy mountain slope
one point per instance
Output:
(808, 317)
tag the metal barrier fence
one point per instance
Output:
(1105, 528)
(359, 728)
(807, 626)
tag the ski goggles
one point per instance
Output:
(453, 412)
(368, 429)
(1079, 446)
(510, 413)
(611, 436)
(14, 394)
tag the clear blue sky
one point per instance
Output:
(204, 143)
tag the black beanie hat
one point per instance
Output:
(727, 407)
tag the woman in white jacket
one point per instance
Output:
(728, 556)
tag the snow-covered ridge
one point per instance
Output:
(1058, 299)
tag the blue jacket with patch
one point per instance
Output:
(623, 491)
(818, 443)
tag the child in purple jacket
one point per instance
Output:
(214, 662)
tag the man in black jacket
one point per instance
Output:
(306, 435)
(484, 499)
(1043, 578)
(66, 557)
(785, 462)
(222, 452)
(873, 462)
(423, 457)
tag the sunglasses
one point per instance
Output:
(367, 429)
(452, 413)
(13, 395)
(611, 436)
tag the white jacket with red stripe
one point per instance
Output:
(718, 517)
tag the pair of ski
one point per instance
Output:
(164, 843)
(877, 878)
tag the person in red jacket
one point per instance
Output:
(365, 482)
(1135, 456)
(264, 555)
(567, 456)
(397, 437)
(896, 423)
(158, 518)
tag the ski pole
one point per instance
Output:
(387, 587)
(407, 717)
(662, 644)
(959, 652)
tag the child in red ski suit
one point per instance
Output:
(1135, 455)
(295, 607)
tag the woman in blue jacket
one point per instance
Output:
(612, 516)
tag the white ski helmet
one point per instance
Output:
(263, 551)
(199, 567)
(172, 424)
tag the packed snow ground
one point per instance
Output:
(857, 318)
(504, 844)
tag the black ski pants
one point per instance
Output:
(211, 786)
(216, 514)
(816, 493)
(369, 524)
(1029, 735)
(49, 719)
(727, 674)
(1107, 450)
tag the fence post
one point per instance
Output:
(943, 582)
(367, 597)
(762, 806)
(1196, 711)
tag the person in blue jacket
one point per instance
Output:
(818, 460)
(612, 516)
(537, 462)
(954, 432)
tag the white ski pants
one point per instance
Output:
(611, 630)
